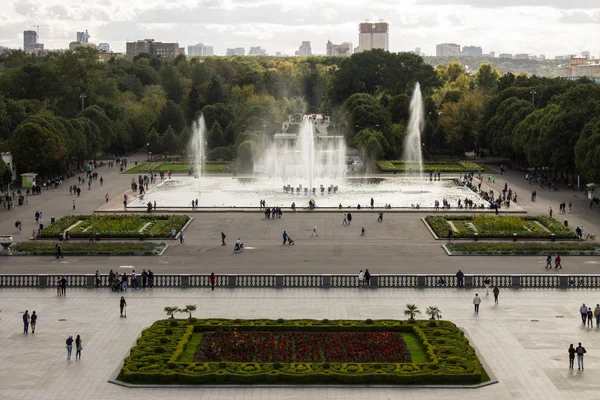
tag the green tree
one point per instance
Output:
(411, 310)
(215, 94)
(98, 117)
(173, 83)
(245, 156)
(37, 145)
(170, 114)
(487, 78)
(216, 137)
(587, 151)
(170, 141)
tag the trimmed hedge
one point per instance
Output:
(156, 357)
(117, 226)
(178, 167)
(439, 224)
(88, 249)
(431, 166)
(533, 249)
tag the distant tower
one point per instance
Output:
(373, 36)
(29, 41)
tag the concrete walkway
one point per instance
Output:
(523, 340)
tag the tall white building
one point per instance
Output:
(200, 50)
(257, 51)
(304, 50)
(344, 49)
(238, 51)
(373, 36)
(447, 50)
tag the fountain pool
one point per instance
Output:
(220, 191)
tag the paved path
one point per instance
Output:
(523, 340)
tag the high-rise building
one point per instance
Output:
(586, 54)
(505, 55)
(373, 36)
(83, 37)
(104, 47)
(30, 42)
(238, 51)
(257, 51)
(344, 49)
(200, 50)
(149, 46)
(447, 50)
(474, 51)
(418, 51)
(304, 50)
(522, 56)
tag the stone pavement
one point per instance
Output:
(523, 340)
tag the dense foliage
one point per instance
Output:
(157, 355)
(60, 109)
(117, 226)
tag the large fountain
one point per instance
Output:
(413, 154)
(296, 168)
(304, 160)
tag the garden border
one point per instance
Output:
(308, 327)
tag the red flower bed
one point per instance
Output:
(358, 347)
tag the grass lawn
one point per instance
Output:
(417, 351)
(178, 168)
(525, 248)
(190, 350)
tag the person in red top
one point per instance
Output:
(212, 280)
(557, 262)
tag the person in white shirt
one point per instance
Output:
(476, 303)
(361, 278)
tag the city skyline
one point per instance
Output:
(281, 26)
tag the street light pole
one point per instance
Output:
(82, 96)
(533, 93)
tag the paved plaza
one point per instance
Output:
(523, 340)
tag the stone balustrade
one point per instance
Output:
(280, 281)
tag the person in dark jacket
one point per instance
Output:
(367, 278)
(212, 280)
(33, 321)
(571, 356)
(122, 305)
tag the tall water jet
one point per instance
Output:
(413, 155)
(197, 146)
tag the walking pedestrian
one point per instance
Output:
(476, 302)
(583, 311)
(571, 356)
(122, 305)
(590, 317)
(144, 278)
(460, 278)
(314, 232)
(557, 262)
(212, 280)
(97, 279)
(223, 237)
(74, 204)
(380, 219)
(59, 253)
(285, 236)
(33, 321)
(150, 279)
(345, 221)
(450, 234)
(367, 278)
(580, 350)
(550, 212)
(181, 239)
(26, 319)
(361, 278)
(78, 347)
(349, 218)
(487, 283)
(597, 315)
(496, 292)
(372, 203)
(69, 347)
(549, 261)
(63, 286)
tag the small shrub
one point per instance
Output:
(280, 321)
(369, 321)
(222, 365)
(164, 340)
(193, 319)
(325, 321)
(173, 323)
(326, 365)
(159, 349)
(169, 331)
(277, 365)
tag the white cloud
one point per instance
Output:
(511, 26)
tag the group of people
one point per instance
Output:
(556, 262)
(29, 320)
(271, 213)
(78, 347)
(120, 282)
(364, 278)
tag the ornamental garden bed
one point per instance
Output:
(178, 167)
(526, 249)
(88, 249)
(498, 226)
(132, 226)
(431, 166)
(221, 351)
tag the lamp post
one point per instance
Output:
(82, 96)
(533, 93)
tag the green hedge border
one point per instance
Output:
(45, 248)
(440, 226)
(525, 249)
(155, 358)
(52, 231)
(431, 166)
(179, 168)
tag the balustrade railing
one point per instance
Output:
(390, 281)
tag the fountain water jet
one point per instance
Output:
(413, 154)
(197, 146)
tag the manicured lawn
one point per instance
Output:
(221, 351)
(498, 226)
(178, 168)
(431, 166)
(525, 248)
(136, 226)
(40, 248)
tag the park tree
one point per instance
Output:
(462, 122)
(486, 78)
(38, 145)
(500, 129)
(98, 117)
(216, 137)
(173, 83)
(587, 151)
(170, 141)
(215, 91)
(170, 114)
(245, 155)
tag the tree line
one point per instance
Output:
(60, 109)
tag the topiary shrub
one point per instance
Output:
(222, 365)
(173, 323)
(326, 365)
(193, 319)
(277, 365)
(164, 340)
(280, 321)
(159, 349)
(169, 331)
(325, 321)
(369, 321)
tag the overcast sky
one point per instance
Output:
(550, 27)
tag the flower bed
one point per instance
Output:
(88, 249)
(117, 226)
(301, 351)
(499, 226)
(431, 166)
(530, 249)
(178, 168)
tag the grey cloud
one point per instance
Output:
(456, 19)
(580, 17)
(560, 4)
